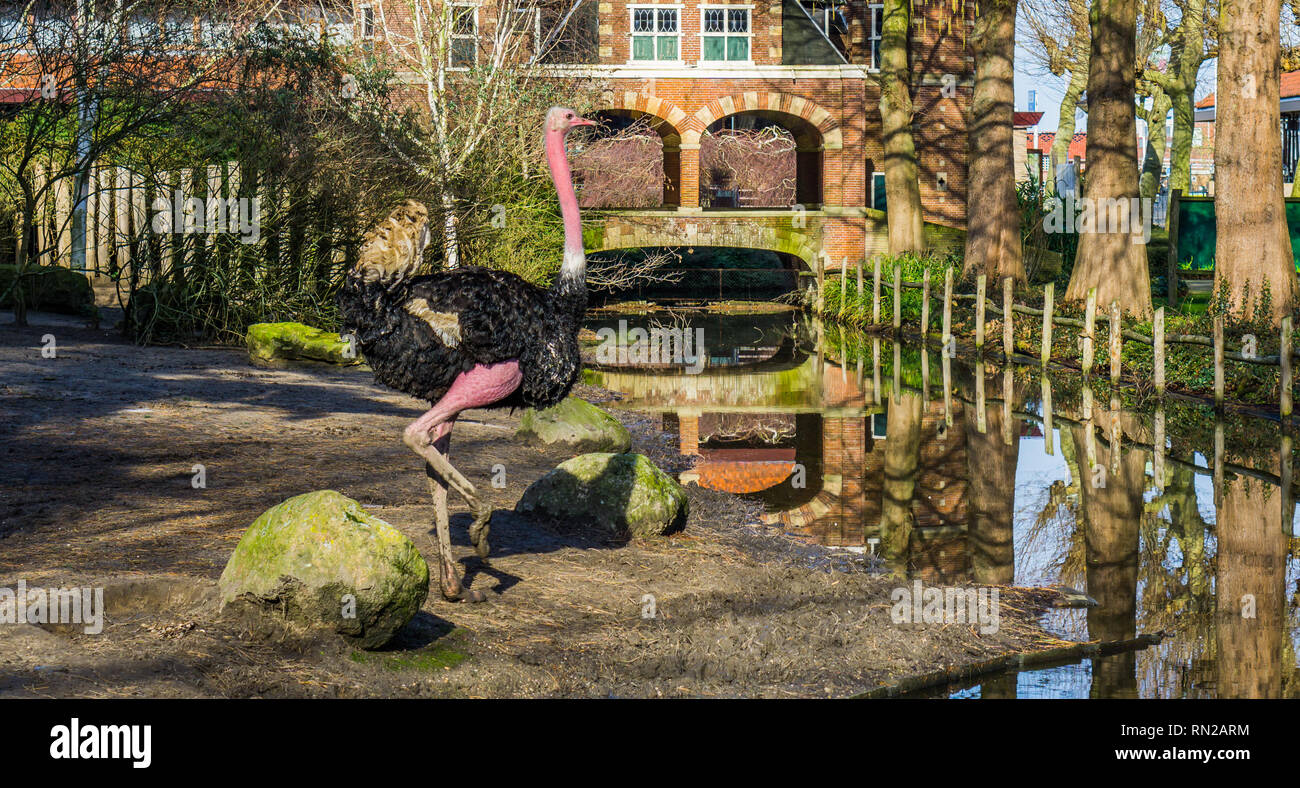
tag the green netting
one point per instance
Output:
(1196, 236)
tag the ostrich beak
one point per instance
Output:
(582, 122)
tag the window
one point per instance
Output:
(367, 21)
(655, 33)
(877, 22)
(880, 425)
(878, 191)
(828, 16)
(464, 36)
(528, 27)
(724, 34)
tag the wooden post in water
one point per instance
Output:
(1158, 339)
(1218, 360)
(898, 370)
(1049, 438)
(1287, 475)
(898, 297)
(947, 307)
(946, 363)
(925, 306)
(875, 293)
(1116, 344)
(1116, 434)
(981, 421)
(1049, 294)
(925, 375)
(1008, 323)
(1158, 447)
(1089, 325)
(857, 294)
(1218, 462)
(1008, 392)
(844, 287)
(875, 368)
(1284, 360)
(980, 282)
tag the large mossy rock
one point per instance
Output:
(319, 560)
(622, 494)
(49, 288)
(295, 341)
(575, 424)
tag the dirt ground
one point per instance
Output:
(98, 448)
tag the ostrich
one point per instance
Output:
(467, 338)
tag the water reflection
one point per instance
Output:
(1173, 521)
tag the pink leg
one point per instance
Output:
(430, 437)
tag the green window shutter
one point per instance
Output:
(714, 48)
(643, 48)
(667, 48)
(737, 48)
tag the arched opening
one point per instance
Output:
(761, 159)
(693, 274)
(632, 160)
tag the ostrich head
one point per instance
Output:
(560, 119)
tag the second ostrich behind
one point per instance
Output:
(467, 337)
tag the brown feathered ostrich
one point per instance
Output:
(468, 337)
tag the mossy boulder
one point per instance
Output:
(49, 288)
(295, 341)
(621, 494)
(575, 424)
(318, 560)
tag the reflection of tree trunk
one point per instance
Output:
(902, 458)
(993, 233)
(1112, 511)
(1185, 517)
(990, 500)
(1250, 590)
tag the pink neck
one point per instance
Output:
(574, 257)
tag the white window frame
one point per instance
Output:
(874, 35)
(631, 17)
(521, 10)
(453, 37)
(749, 13)
(366, 18)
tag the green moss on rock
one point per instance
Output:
(306, 558)
(295, 341)
(577, 425)
(622, 494)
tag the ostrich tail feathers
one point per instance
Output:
(393, 250)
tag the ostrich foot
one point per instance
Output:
(478, 531)
(454, 591)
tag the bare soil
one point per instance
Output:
(98, 453)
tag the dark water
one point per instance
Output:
(953, 472)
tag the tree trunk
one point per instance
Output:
(1065, 127)
(902, 459)
(1253, 249)
(1180, 156)
(1154, 163)
(993, 243)
(902, 189)
(1113, 261)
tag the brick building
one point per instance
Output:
(694, 67)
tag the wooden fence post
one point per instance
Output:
(1284, 359)
(1171, 272)
(104, 237)
(875, 294)
(63, 220)
(1218, 360)
(1008, 323)
(980, 283)
(898, 297)
(1049, 295)
(858, 292)
(1089, 327)
(1158, 339)
(844, 287)
(1116, 343)
(122, 209)
(925, 306)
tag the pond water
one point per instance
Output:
(959, 472)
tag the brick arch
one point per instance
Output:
(812, 113)
(630, 101)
